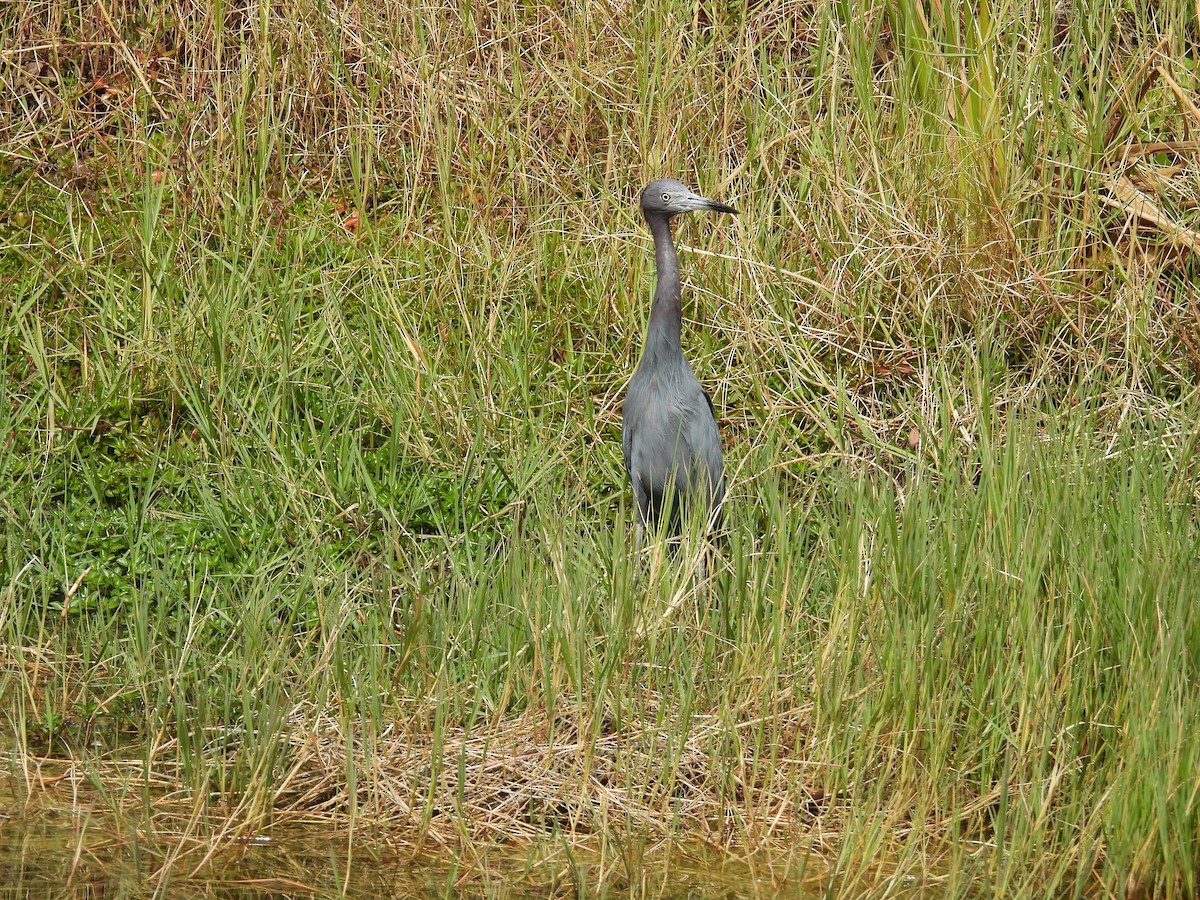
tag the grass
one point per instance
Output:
(317, 320)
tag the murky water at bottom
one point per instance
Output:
(54, 846)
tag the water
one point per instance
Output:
(64, 837)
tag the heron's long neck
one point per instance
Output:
(662, 336)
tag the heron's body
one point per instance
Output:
(669, 434)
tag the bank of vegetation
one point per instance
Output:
(316, 319)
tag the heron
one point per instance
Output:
(669, 434)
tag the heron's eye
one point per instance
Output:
(666, 198)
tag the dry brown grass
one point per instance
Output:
(515, 112)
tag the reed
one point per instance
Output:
(316, 322)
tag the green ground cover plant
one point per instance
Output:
(316, 319)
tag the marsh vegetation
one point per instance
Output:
(316, 318)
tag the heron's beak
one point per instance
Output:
(698, 202)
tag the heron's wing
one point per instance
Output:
(719, 461)
(631, 412)
(631, 422)
(626, 441)
(717, 465)
(700, 445)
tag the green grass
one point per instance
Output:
(310, 481)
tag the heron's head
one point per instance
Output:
(668, 197)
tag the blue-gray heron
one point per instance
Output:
(669, 434)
